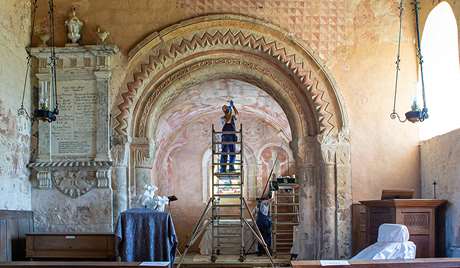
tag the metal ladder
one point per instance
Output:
(285, 214)
(226, 203)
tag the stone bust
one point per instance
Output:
(74, 26)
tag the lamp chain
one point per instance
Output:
(53, 56)
(424, 114)
(394, 114)
(415, 114)
(22, 110)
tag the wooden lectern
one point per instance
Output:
(423, 217)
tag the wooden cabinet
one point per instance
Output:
(423, 217)
(71, 246)
(359, 228)
(14, 225)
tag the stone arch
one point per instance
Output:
(254, 51)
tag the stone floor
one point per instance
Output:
(252, 260)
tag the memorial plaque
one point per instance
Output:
(74, 132)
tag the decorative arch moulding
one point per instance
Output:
(262, 54)
(159, 53)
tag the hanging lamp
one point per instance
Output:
(43, 112)
(415, 114)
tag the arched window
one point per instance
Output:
(442, 72)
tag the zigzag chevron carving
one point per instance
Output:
(229, 39)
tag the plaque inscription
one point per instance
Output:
(74, 132)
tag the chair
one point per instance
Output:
(392, 244)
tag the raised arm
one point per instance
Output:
(233, 107)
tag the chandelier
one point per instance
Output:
(415, 114)
(44, 112)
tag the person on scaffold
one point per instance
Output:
(228, 124)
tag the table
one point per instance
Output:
(145, 235)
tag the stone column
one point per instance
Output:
(306, 158)
(142, 152)
(327, 197)
(102, 117)
(344, 197)
(120, 157)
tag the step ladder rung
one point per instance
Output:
(284, 232)
(286, 195)
(224, 225)
(236, 216)
(283, 244)
(283, 240)
(227, 142)
(227, 195)
(285, 214)
(228, 236)
(228, 174)
(286, 223)
(228, 205)
(226, 153)
(229, 244)
(227, 164)
(227, 132)
(287, 246)
(227, 184)
(286, 204)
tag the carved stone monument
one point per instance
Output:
(72, 168)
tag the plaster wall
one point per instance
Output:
(15, 132)
(439, 163)
(356, 39)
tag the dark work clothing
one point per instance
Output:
(264, 223)
(228, 148)
(146, 235)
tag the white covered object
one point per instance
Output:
(392, 244)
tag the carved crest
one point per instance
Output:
(74, 182)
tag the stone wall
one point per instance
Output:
(15, 131)
(356, 40)
(439, 163)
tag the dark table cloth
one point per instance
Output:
(146, 235)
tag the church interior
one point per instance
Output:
(216, 133)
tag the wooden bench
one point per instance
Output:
(418, 263)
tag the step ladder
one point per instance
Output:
(285, 215)
(226, 203)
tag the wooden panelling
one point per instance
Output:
(13, 227)
(419, 215)
(71, 246)
(359, 228)
(3, 242)
(423, 245)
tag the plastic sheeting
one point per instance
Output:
(392, 244)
